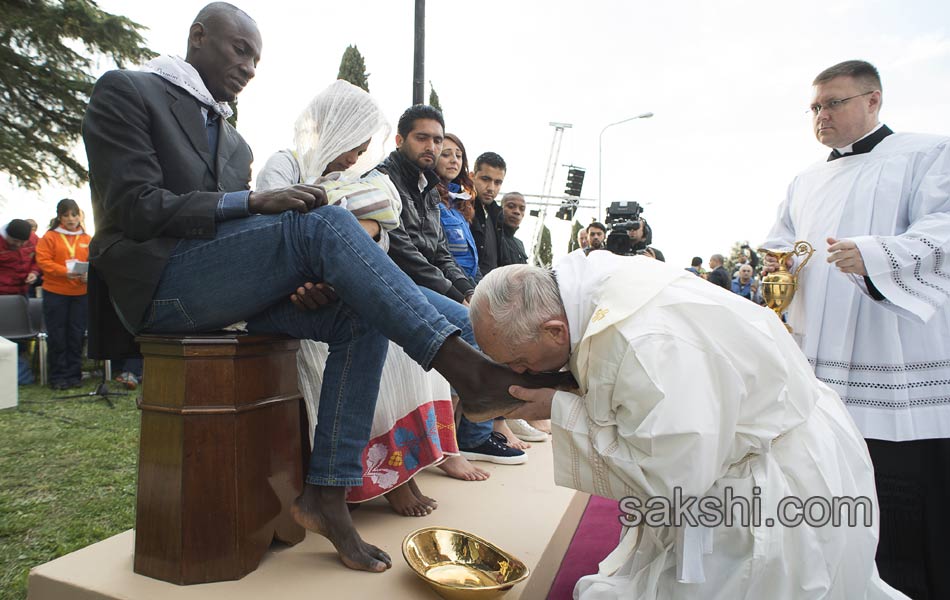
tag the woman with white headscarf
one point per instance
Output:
(340, 135)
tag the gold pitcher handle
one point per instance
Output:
(803, 248)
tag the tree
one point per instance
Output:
(45, 83)
(353, 69)
(572, 244)
(544, 258)
(434, 99)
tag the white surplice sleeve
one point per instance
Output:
(910, 269)
(662, 415)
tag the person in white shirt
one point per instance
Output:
(873, 308)
(749, 421)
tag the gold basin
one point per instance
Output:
(460, 565)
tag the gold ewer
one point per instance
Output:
(778, 288)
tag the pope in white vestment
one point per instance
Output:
(686, 386)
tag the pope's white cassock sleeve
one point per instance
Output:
(889, 359)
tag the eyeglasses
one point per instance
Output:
(832, 105)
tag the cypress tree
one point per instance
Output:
(353, 69)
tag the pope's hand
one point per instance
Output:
(537, 403)
(846, 256)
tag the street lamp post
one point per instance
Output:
(600, 155)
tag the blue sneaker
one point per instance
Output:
(495, 449)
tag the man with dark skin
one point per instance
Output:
(177, 227)
(510, 249)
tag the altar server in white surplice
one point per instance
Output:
(873, 309)
(689, 389)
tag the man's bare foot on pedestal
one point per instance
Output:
(322, 509)
(405, 502)
(459, 468)
(541, 424)
(513, 441)
(418, 493)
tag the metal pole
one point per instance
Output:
(549, 181)
(419, 57)
(600, 154)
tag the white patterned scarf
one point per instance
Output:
(175, 70)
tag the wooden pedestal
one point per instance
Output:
(219, 457)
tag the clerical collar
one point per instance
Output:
(848, 148)
(863, 145)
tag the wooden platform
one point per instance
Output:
(519, 509)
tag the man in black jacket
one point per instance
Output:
(510, 249)
(418, 246)
(488, 175)
(719, 275)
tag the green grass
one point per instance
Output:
(67, 478)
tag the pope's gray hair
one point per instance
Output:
(517, 299)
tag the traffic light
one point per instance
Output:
(575, 181)
(566, 210)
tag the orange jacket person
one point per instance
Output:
(61, 254)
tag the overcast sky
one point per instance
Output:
(728, 81)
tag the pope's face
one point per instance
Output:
(549, 352)
(847, 112)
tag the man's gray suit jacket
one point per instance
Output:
(154, 182)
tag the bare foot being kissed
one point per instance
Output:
(501, 426)
(459, 468)
(409, 501)
(322, 510)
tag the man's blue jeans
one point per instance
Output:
(248, 271)
(469, 434)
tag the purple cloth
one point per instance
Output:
(596, 536)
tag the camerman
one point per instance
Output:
(630, 234)
(640, 240)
